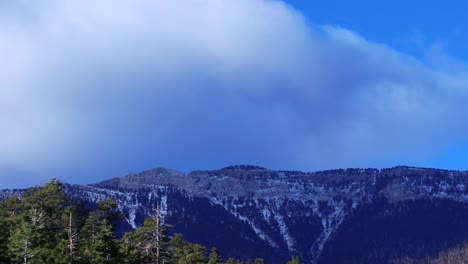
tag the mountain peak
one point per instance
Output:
(148, 178)
(159, 171)
(243, 168)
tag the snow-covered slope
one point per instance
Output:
(250, 211)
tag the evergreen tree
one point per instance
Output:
(176, 245)
(152, 241)
(104, 249)
(39, 227)
(9, 211)
(59, 255)
(128, 250)
(256, 261)
(215, 257)
(193, 254)
(108, 209)
(148, 244)
(72, 236)
(22, 244)
(294, 260)
(233, 261)
(98, 242)
(65, 252)
(45, 226)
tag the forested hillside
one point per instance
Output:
(338, 216)
(44, 226)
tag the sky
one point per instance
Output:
(91, 90)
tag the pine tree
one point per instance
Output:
(148, 244)
(39, 227)
(22, 243)
(294, 260)
(104, 249)
(233, 261)
(65, 252)
(46, 207)
(72, 232)
(44, 226)
(193, 254)
(152, 241)
(9, 219)
(128, 250)
(59, 255)
(98, 242)
(176, 246)
(215, 257)
(256, 261)
(108, 209)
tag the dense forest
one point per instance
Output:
(45, 226)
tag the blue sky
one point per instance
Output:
(98, 89)
(409, 26)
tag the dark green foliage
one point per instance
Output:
(215, 257)
(44, 226)
(99, 245)
(23, 243)
(256, 261)
(129, 250)
(233, 261)
(183, 252)
(191, 254)
(108, 210)
(294, 260)
(9, 211)
(37, 223)
(148, 244)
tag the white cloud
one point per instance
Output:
(90, 85)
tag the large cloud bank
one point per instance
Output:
(94, 89)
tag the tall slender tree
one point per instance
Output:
(22, 244)
(151, 240)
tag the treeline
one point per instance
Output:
(455, 255)
(45, 226)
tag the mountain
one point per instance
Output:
(334, 216)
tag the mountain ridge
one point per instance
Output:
(276, 213)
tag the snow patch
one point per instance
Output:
(131, 218)
(258, 231)
(285, 232)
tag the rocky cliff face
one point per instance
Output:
(249, 211)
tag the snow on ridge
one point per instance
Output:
(260, 233)
(257, 230)
(330, 222)
(163, 208)
(131, 218)
(290, 242)
(265, 197)
(266, 214)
